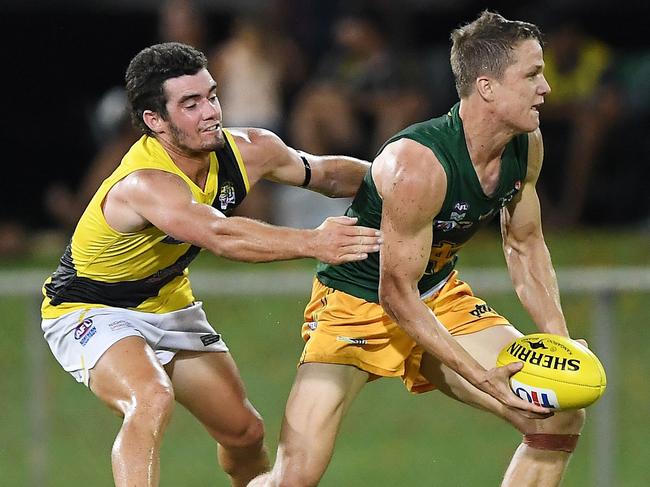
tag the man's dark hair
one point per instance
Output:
(150, 68)
(485, 47)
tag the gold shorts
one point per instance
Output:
(343, 329)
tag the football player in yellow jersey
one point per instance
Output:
(405, 313)
(119, 313)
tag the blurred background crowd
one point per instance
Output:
(330, 76)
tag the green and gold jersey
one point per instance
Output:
(465, 209)
(144, 270)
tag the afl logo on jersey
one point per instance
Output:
(461, 206)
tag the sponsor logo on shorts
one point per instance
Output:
(312, 325)
(85, 331)
(352, 341)
(535, 395)
(118, 325)
(210, 339)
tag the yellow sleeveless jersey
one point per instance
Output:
(144, 270)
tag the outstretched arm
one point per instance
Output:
(413, 185)
(164, 200)
(267, 157)
(527, 257)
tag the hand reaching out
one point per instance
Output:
(339, 240)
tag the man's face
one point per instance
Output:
(194, 113)
(522, 89)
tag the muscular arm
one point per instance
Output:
(527, 257)
(413, 188)
(413, 185)
(164, 200)
(267, 157)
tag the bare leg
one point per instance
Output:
(535, 465)
(209, 386)
(319, 399)
(130, 380)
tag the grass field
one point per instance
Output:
(390, 438)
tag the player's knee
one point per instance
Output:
(577, 418)
(248, 436)
(560, 433)
(569, 422)
(242, 453)
(153, 403)
(565, 422)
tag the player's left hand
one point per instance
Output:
(339, 240)
(499, 380)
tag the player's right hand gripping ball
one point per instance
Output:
(557, 373)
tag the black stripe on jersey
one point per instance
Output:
(67, 287)
(232, 188)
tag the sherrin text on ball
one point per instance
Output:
(558, 372)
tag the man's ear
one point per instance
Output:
(485, 88)
(154, 121)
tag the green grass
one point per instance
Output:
(390, 438)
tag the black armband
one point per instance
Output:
(305, 183)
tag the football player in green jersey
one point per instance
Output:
(405, 313)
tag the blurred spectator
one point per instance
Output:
(361, 94)
(439, 78)
(581, 109)
(183, 21)
(253, 68)
(629, 143)
(12, 238)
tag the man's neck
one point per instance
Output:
(195, 165)
(485, 135)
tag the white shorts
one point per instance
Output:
(78, 339)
